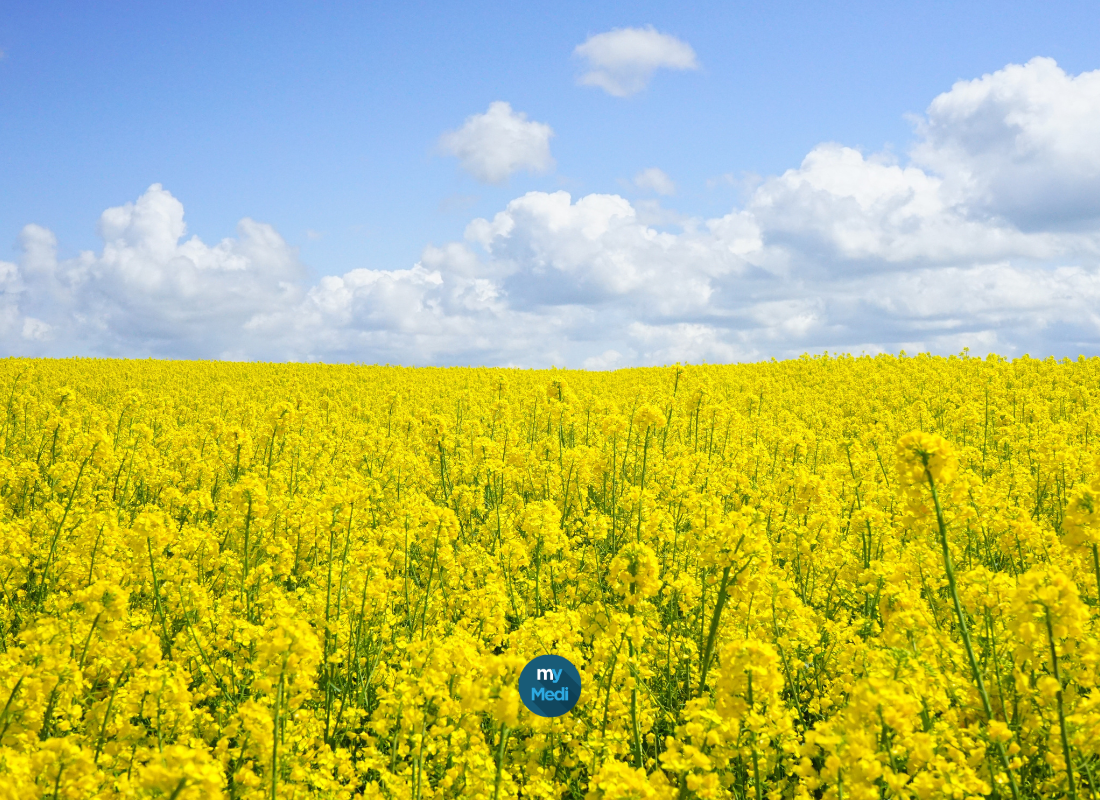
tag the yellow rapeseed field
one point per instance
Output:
(848, 578)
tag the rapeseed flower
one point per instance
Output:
(274, 581)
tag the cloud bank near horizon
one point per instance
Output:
(987, 237)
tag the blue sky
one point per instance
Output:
(324, 122)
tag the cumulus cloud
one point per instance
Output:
(622, 61)
(149, 291)
(843, 211)
(848, 251)
(655, 180)
(494, 145)
(1020, 143)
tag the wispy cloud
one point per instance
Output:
(622, 61)
(655, 180)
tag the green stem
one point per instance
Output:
(275, 733)
(636, 731)
(755, 755)
(107, 716)
(7, 707)
(949, 568)
(645, 453)
(607, 696)
(1061, 708)
(60, 528)
(244, 571)
(712, 634)
(504, 731)
(156, 599)
(1096, 570)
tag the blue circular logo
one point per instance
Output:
(550, 686)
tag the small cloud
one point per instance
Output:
(313, 235)
(622, 61)
(36, 329)
(744, 184)
(655, 180)
(494, 145)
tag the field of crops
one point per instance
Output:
(841, 578)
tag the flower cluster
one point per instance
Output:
(272, 581)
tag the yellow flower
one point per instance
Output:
(921, 454)
(291, 580)
(635, 572)
(648, 416)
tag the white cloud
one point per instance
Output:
(846, 252)
(655, 180)
(36, 329)
(1020, 143)
(149, 291)
(622, 61)
(608, 359)
(494, 145)
(847, 211)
